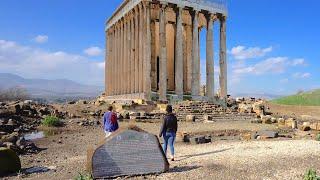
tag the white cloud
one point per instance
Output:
(285, 80)
(93, 51)
(301, 75)
(242, 52)
(41, 39)
(34, 63)
(271, 65)
(297, 62)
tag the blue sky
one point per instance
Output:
(272, 45)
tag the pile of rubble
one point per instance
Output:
(20, 117)
(209, 112)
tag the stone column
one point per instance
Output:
(223, 59)
(163, 54)
(141, 35)
(127, 65)
(179, 55)
(154, 81)
(116, 62)
(107, 59)
(195, 83)
(188, 58)
(113, 60)
(132, 80)
(120, 58)
(210, 60)
(136, 51)
(147, 52)
(123, 46)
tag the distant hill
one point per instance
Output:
(311, 98)
(48, 89)
(256, 95)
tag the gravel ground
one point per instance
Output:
(270, 159)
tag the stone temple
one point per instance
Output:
(153, 50)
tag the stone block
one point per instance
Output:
(9, 162)
(267, 134)
(281, 122)
(198, 140)
(190, 118)
(128, 152)
(266, 119)
(288, 122)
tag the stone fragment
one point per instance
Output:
(266, 119)
(121, 154)
(198, 140)
(9, 161)
(281, 122)
(190, 118)
(288, 122)
(267, 134)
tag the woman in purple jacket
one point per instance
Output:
(110, 122)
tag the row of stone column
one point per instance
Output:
(195, 79)
(128, 55)
(128, 67)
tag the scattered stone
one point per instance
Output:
(198, 140)
(266, 119)
(267, 134)
(281, 122)
(288, 122)
(190, 118)
(295, 124)
(9, 161)
(305, 128)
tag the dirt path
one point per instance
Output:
(221, 159)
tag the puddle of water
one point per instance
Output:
(34, 135)
(41, 134)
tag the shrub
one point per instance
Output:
(83, 177)
(51, 121)
(318, 137)
(311, 174)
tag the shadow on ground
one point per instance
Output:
(201, 154)
(183, 168)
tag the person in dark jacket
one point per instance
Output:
(168, 131)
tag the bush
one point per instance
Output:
(51, 121)
(318, 137)
(311, 174)
(83, 177)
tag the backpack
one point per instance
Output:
(113, 118)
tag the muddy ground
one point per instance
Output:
(233, 159)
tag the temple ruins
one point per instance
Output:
(153, 50)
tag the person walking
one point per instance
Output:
(110, 122)
(168, 131)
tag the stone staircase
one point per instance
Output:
(205, 111)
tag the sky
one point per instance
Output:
(272, 45)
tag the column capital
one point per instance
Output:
(221, 17)
(211, 16)
(146, 4)
(163, 4)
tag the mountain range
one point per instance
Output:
(48, 89)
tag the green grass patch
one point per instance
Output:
(51, 121)
(318, 137)
(311, 174)
(311, 98)
(83, 177)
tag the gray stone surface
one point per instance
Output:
(128, 153)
